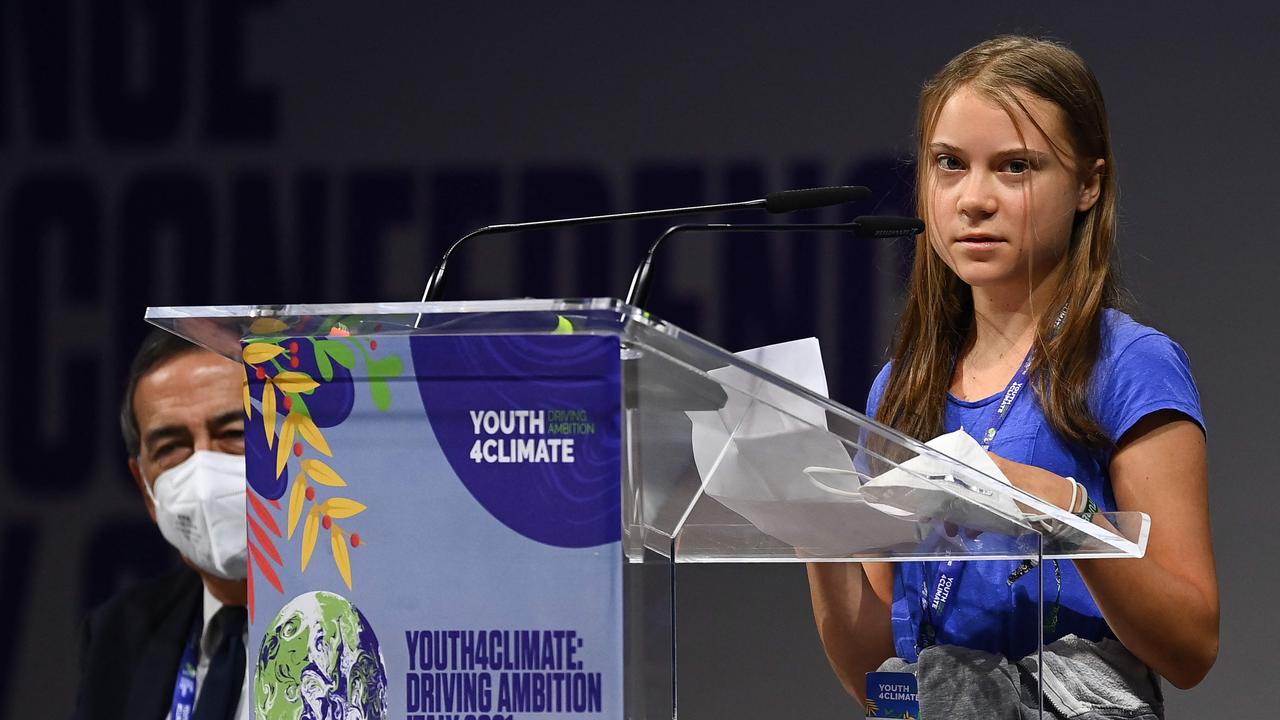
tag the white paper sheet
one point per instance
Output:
(753, 455)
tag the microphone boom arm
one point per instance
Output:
(435, 283)
(638, 294)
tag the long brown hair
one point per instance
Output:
(939, 309)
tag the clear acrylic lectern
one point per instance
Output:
(714, 459)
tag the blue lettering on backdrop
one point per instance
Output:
(462, 199)
(552, 192)
(106, 570)
(675, 184)
(174, 211)
(43, 49)
(308, 281)
(379, 204)
(138, 105)
(168, 214)
(95, 241)
(795, 294)
(235, 112)
(138, 59)
(855, 297)
(746, 313)
(255, 237)
(48, 212)
(165, 238)
(17, 557)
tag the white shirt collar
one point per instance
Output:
(210, 605)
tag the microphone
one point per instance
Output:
(866, 227)
(778, 202)
(812, 198)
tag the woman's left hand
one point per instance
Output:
(1043, 484)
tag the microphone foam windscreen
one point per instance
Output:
(885, 226)
(789, 200)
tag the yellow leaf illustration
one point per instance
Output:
(295, 382)
(285, 444)
(312, 435)
(248, 408)
(340, 557)
(297, 497)
(255, 353)
(339, 508)
(266, 326)
(322, 473)
(310, 531)
(269, 411)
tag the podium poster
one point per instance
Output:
(434, 526)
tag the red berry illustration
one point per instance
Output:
(297, 449)
(355, 539)
(373, 344)
(262, 373)
(293, 346)
(294, 361)
(326, 522)
(288, 403)
(311, 493)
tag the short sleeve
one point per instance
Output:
(877, 390)
(1146, 374)
(862, 460)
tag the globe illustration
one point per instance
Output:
(320, 660)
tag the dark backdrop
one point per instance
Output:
(253, 151)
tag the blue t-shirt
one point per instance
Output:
(1140, 371)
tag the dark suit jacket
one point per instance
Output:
(131, 645)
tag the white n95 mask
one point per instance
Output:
(200, 508)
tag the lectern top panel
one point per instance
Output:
(725, 460)
(222, 328)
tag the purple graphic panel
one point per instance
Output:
(531, 424)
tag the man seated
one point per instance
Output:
(174, 647)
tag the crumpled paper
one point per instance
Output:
(754, 456)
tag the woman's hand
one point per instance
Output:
(1043, 484)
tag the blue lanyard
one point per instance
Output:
(184, 688)
(932, 608)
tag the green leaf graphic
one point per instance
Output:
(389, 366)
(322, 361)
(299, 405)
(341, 353)
(381, 394)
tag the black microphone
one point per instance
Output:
(778, 202)
(812, 198)
(866, 226)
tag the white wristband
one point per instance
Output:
(1076, 488)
